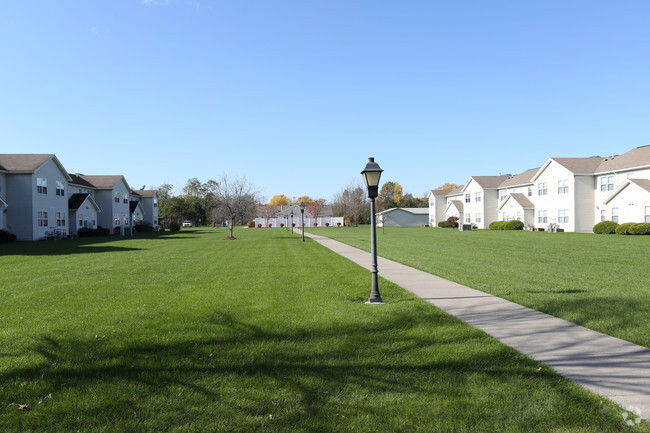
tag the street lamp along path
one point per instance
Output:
(371, 175)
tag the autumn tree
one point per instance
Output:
(236, 200)
(316, 207)
(279, 200)
(390, 196)
(447, 186)
(304, 198)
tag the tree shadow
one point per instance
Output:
(305, 368)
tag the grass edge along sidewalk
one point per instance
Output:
(606, 365)
(186, 332)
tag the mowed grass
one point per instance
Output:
(601, 282)
(186, 332)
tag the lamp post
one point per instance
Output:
(371, 175)
(286, 221)
(302, 219)
(291, 222)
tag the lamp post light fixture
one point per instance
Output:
(302, 219)
(291, 222)
(371, 175)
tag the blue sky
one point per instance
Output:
(296, 95)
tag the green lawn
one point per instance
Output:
(601, 282)
(186, 332)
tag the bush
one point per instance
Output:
(6, 237)
(640, 229)
(452, 222)
(250, 224)
(513, 225)
(87, 233)
(499, 225)
(605, 228)
(174, 226)
(142, 227)
(624, 229)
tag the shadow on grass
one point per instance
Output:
(310, 375)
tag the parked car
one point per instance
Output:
(187, 223)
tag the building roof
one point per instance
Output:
(490, 182)
(76, 200)
(440, 192)
(145, 192)
(78, 180)
(413, 210)
(522, 200)
(520, 179)
(133, 205)
(637, 157)
(643, 183)
(99, 181)
(458, 204)
(455, 191)
(580, 165)
(23, 162)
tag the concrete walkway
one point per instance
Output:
(608, 366)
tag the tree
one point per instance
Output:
(447, 186)
(304, 198)
(236, 200)
(315, 207)
(352, 203)
(279, 200)
(390, 196)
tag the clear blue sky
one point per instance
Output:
(296, 95)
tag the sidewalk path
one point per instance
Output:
(608, 366)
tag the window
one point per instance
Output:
(468, 197)
(81, 220)
(133, 219)
(125, 198)
(117, 217)
(542, 188)
(42, 219)
(607, 183)
(647, 214)
(126, 220)
(563, 216)
(502, 194)
(519, 215)
(530, 191)
(542, 216)
(41, 185)
(94, 219)
(563, 186)
(468, 218)
(155, 202)
(603, 215)
(60, 219)
(478, 217)
(117, 197)
(615, 214)
(477, 196)
(60, 189)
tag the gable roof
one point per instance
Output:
(77, 200)
(457, 204)
(638, 157)
(412, 210)
(102, 181)
(489, 182)
(643, 183)
(133, 205)
(456, 191)
(520, 179)
(145, 192)
(28, 162)
(580, 165)
(439, 192)
(522, 200)
(78, 180)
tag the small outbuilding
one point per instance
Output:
(403, 217)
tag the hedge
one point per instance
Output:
(499, 225)
(624, 229)
(6, 237)
(605, 228)
(639, 229)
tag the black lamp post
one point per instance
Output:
(302, 219)
(291, 222)
(371, 175)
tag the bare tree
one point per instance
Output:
(236, 200)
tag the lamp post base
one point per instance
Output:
(369, 302)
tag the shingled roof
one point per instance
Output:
(580, 165)
(23, 162)
(643, 183)
(77, 200)
(520, 179)
(145, 192)
(100, 181)
(637, 157)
